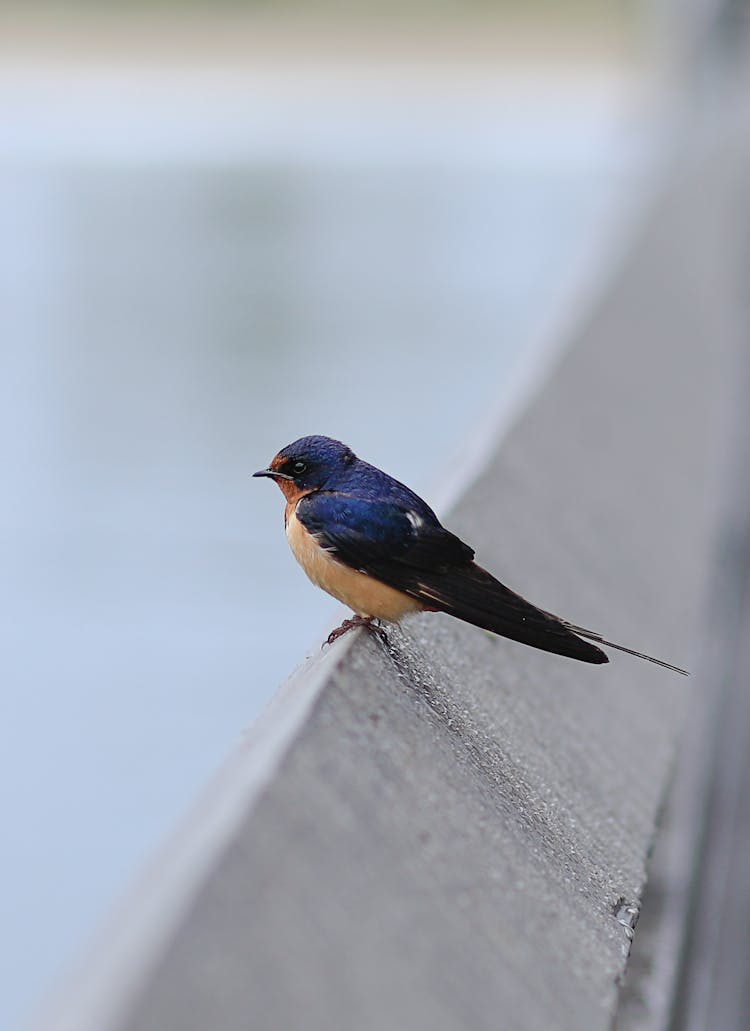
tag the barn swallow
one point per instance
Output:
(379, 548)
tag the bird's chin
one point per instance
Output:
(292, 491)
(284, 482)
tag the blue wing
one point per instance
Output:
(381, 537)
(405, 547)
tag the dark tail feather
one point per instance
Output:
(474, 595)
(621, 648)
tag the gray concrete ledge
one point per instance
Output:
(688, 968)
(454, 831)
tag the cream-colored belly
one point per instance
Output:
(363, 594)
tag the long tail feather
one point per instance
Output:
(470, 593)
(591, 636)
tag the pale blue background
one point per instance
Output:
(176, 306)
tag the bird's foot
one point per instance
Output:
(370, 622)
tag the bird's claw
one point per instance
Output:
(345, 627)
(351, 624)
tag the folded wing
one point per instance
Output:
(409, 550)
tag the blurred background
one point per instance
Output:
(225, 226)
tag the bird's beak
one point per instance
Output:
(273, 474)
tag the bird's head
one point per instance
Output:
(307, 465)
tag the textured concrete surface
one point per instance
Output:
(688, 968)
(455, 832)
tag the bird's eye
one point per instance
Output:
(298, 468)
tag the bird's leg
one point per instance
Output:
(369, 622)
(346, 626)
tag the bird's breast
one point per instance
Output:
(362, 593)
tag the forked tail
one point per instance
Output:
(591, 636)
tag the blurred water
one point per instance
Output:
(170, 318)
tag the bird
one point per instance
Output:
(375, 545)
